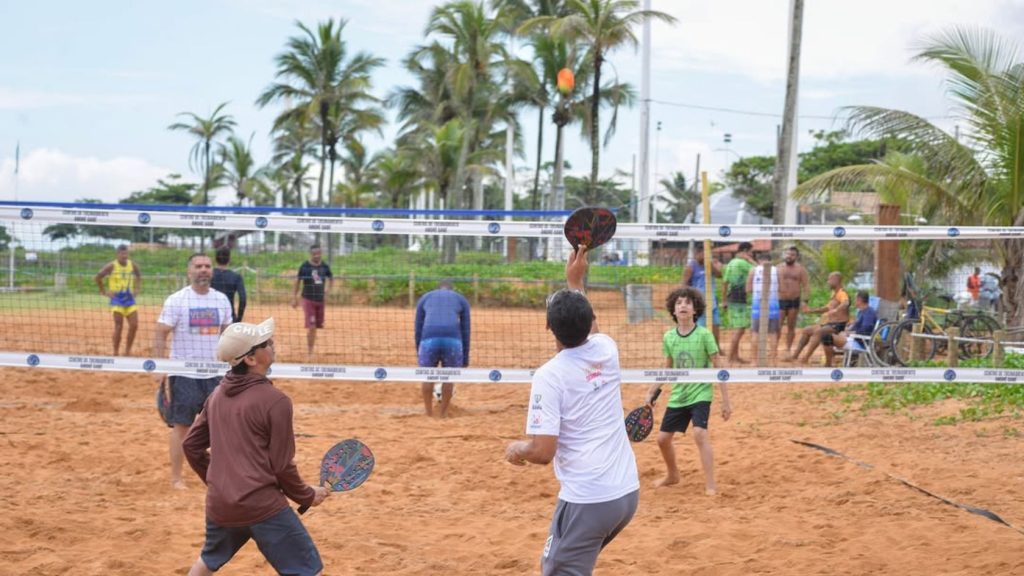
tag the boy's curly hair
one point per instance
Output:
(691, 294)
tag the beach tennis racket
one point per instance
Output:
(590, 227)
(163, 399)
(345, 467)
(640, 421)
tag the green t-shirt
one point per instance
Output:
(735, 274)
(691, 351)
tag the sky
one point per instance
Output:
(88, 89)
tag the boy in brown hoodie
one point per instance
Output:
(247, 423)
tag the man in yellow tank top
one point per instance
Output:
(123, 283)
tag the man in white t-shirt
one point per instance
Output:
(195, 315)
(575, 420)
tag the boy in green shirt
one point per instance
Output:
(688, 346)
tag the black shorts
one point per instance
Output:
(282, 539)
(836, 327)
(678, 419)
(187, 398)
(791, 304)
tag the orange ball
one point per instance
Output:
(566, 81)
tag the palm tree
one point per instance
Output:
(977, 179)
(477, 57)
(240, 167)
(396, 176)
(550, 55)
(294, 142)
(320, 83)
(346, 127)
(205, 131)
(601, 26)
(423, 108)
(682, 198)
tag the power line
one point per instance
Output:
(762, 114)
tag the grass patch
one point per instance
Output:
(983, 401)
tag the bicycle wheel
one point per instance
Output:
(880, 350)
(903, 338)
(979, 326)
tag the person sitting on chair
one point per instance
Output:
(863, 326)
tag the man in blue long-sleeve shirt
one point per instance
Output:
(442, 337)
(864, 326)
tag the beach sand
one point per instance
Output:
(84, 486)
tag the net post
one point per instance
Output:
(915, 329)
(953, 347)
(997, 348)
(762, 320)
(412, 288)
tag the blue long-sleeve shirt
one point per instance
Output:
(865, 323)
(443, 313)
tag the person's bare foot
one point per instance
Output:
(740, 361)
(710, 492)
(666, 481)
(178, 484)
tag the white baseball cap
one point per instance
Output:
(240, 338)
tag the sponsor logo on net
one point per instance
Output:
(321, 371)
(437, 374)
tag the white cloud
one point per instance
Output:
(54, 176)
(840, 39)
(26, 99)
(396, 18)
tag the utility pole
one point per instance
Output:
(643, 195)
(786, 161)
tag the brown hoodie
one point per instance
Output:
(247, 425)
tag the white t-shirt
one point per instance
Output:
(576, 396)
(197, 320)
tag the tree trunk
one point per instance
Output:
(330, 193)
(595, 125)
(535, 200)
(206, 191)
(557, 199)
(540, 151)
(456, 194)
(1012, 300)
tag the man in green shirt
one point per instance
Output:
(735, 296)
(688, 346)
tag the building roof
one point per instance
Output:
(759, 246)
(728, 209)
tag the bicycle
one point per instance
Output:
(935, 323)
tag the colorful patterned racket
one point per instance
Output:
(640, 421)
(590, 227)
(345, 467)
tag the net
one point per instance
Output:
(62, 277)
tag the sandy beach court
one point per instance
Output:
(84, 487)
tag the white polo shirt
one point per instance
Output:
(197, 320)
(576, 396)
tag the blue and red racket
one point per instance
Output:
(640, 421)
(345, 467)
(590, 227)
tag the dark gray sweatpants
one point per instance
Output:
(580, 531)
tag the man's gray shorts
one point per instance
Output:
(580, 531)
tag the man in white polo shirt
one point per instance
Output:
(575, 419)
(194, 317)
